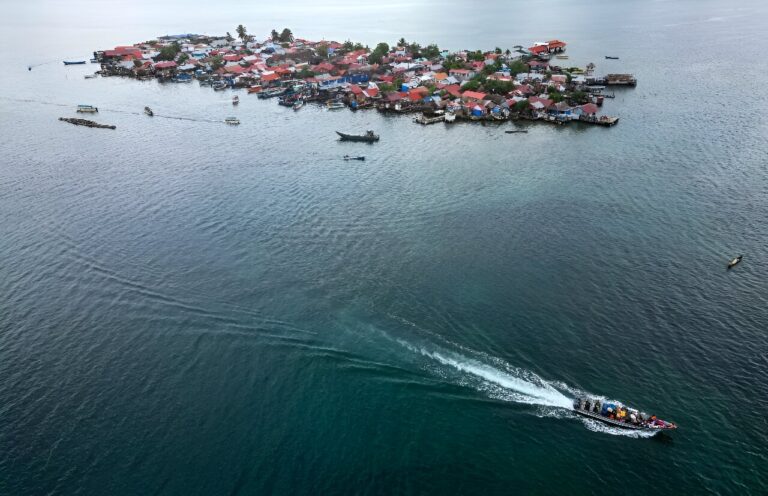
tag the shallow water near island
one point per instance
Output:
(195, 308)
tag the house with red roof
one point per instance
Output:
(475, 96)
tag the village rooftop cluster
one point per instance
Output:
(522, 83)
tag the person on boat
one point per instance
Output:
(587, 405)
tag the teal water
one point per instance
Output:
(192, 308)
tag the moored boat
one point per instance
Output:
(87, 109)
(254, 89)
(335, 105)
(618, 415)
(220, 86)
(611, 58)
(235, 100)
(735, 261)
(271, 93)
(515, 131)
(368, 137)
(299, 103)
(148, 111)
(232, 121)
(74, 62)
(349, 157)
(90, 76)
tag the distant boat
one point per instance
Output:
(299, 103)
(232, 120)
(235, 100)
(90, 76)
(220, 86)
(611, 58)
(94, 61)
(735, 261)
(148, 111)
(562, 57)
(516, 131)
(87, 109)
(347, 157)
(335, 105)
(368, 137)
(74, 62)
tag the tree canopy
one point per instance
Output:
(378, 53)
(286, 36)
(242, 33)
(274, 35)
(169, 52)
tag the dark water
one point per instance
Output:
(191, 308)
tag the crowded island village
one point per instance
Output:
(518, 83)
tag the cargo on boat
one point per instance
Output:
(618, 415)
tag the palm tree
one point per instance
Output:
(401, 42)
(275, 35)
(286, 36)
(242, 33)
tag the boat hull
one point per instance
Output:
(353, 137)
(622, 425)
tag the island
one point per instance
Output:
(533, 83)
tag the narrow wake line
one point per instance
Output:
(105, 109)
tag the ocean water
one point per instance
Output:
(192, 308)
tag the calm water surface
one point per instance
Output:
(191, 308)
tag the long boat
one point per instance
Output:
(271, 93)
(735, 261)
(618, 415)
(74, 62)
(368, 137)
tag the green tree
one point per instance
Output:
(431, 51)
(415, 49)
(217, 62)
(497, 50)
(322, 50)
(286, 36)
(229, 37)
(168, 52)
(242, 33)
(359, 46)
(401, 42)
(349, 46)
(517, 67)
(378, 53)
(274, 35)
(305, 72)
(182, 59)
(521, 106)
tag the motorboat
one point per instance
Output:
(368, 137)
(87, 109)
(515, 131)
(235, 100)
(335, 105)
(220, 86)
(735, 261)
(348, 157)
(234, 121)
(611, 58)
(298, 104)
(74, 62)
(254, 89)
(90, 76)
(618, 415)
(148, 111)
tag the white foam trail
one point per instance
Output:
(512, 385)
(595, 426)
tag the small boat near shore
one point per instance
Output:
(368, 137)
(298, 104)
(254, 89)
(148, 111)
(349, 157)
(233, 121)
(611, 58)
(87, 109)
(235, 100)
(220, 86)
(515, 131)
(618, 415)
(90, 76)
(74, 62)
(734, 262)
(335, 105)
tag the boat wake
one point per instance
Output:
(498, 380)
